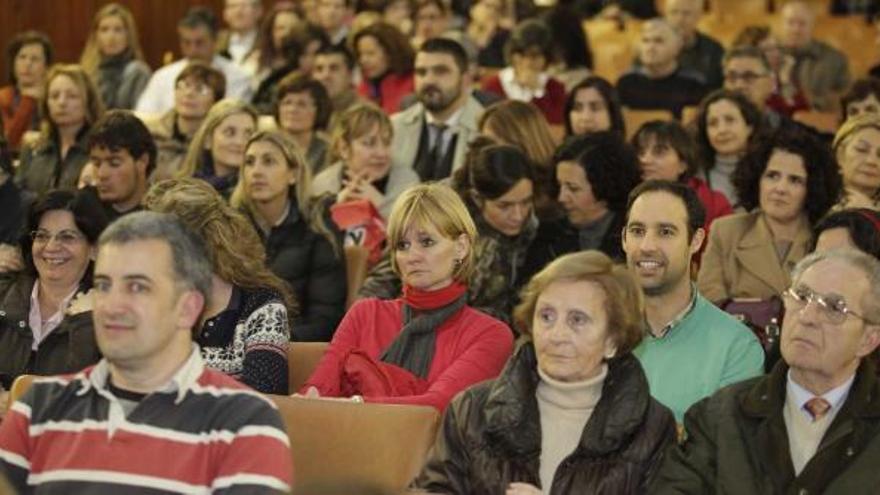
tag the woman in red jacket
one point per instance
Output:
(427, 345)
(29, 55)
(386, 58)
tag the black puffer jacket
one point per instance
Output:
(67, 349)
(491, 436)
(313, 268)
(559, 237)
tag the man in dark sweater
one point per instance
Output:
(700, 52)
(659, 82)
(123, 153)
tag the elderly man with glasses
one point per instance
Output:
(813, 424)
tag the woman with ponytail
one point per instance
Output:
(428, 345)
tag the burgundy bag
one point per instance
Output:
(763, 316)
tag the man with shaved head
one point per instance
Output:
(658, 81)
(820, 70)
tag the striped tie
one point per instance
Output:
(817, 407)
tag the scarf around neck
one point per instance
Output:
(423, 313)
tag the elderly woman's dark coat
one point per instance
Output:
(491, 436)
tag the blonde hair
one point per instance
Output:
(196, 154)
(437, 205)
(91, 55)
(623, 296)
(356, 122)
(235, 250)
(521, 124)
(851, 127)
(94, 108)
(294, 160)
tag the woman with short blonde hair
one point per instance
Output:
(857, 149)
(360, 153)
(114, 59)
(573, 396)
(428, 345)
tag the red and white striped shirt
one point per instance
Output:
(201, 433)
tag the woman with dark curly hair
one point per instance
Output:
(786, 184)
(592, 106)
(728, 125)
(386, 59)
(594, 174)
(855, 228)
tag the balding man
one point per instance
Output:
(700, 52)
(658, 81)
(813, 424)
(820, 70)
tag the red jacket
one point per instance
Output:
(552, 104)
(16, 119)
(392, 89)
(471, 347)
(714, 202)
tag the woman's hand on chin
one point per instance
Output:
(522, 489)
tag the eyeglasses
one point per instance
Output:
(832, 308)
(747, 77)
(199, 88)
(65, 237)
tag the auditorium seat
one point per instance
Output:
(635, 118)
(821, 121)
(356, 265)
(339, 440)
(19, 387)
(302, 359)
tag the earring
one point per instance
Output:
(457, 262)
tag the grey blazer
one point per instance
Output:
(408, 131)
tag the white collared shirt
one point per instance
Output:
(805, 434)
(41, 328)
(451, 127)
(180, 383)
(515, 91)
(240, 45)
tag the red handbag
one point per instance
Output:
(363, 375)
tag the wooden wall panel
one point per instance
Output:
(67, 23)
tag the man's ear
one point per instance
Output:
(870, 340)
(191, 305)
(697, 240)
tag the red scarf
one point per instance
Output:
(426, 300)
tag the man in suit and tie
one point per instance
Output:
(432, 136)
(813, 424)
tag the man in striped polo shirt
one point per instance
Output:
(150, 417)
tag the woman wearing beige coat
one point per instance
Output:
(786, 183)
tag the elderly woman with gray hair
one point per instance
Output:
(571, 412)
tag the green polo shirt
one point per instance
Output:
(705, 350)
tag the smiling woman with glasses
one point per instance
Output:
(45, 314)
